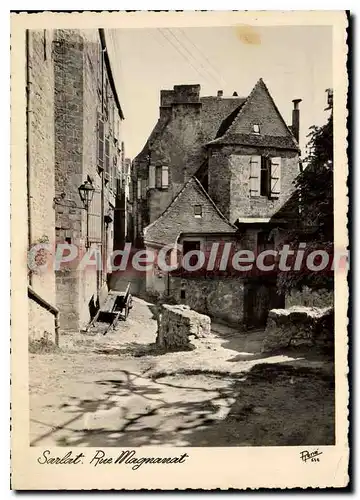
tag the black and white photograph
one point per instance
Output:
(183, 271)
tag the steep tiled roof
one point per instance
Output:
(214, 111)
(256, 140)
(167, 227)
(227, 132)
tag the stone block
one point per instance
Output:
(178, 325)
(298, 325)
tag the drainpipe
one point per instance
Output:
(28, 146)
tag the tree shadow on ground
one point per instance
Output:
(136, 411)
(277, 405)
(271, 405)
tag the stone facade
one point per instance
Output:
(41, 170)
(179, 325)
(229, 181)
(76, 138)
(186, 122)
(245, 159)
(221, 298)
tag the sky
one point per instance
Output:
(294, 62)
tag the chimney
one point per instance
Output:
(296, 119)
(166, 100)
(220, 93)
(235, 94)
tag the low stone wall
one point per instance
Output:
(297, 325)
(178, 325)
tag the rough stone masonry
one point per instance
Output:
(178, 325)
(299, 325)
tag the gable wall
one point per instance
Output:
(259, 109)
(180, 218)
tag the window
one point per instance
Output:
(162, 177)
(265, 177)
(182, 294)
(100, 152)
(198, 211)
(107, 157)
(189, 246)
(256, 129)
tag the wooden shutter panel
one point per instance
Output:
(275, 180)
(100, 141)
(138, 189)
(158, 175)
(164, 177)
(143, 188)
(255, 166)
(107, 156)
(151, 176)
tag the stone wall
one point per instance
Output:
(179, 325)
(79, 98)
(41, 172)
(220, 298)
(299, 326)
(41, 141)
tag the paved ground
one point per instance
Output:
(117, 390)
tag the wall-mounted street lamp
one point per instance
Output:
(86, 192)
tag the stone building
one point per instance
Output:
(230, 156)
(74, 135)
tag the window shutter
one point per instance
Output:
(164, 177)
(100, 141)
(143, 188)
(107, 156)
(255, 166)
(138, 189)
(151, 176)
(275, 182)
(158, 177)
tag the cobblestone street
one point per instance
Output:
(117, 390)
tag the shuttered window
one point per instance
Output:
(255, 167)
(95, 218)
(143, 188)
(275, 180)
(151, 176)
(158, 177)
(138, 189)
(100, 148)
(107, 156)
(164, 177)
